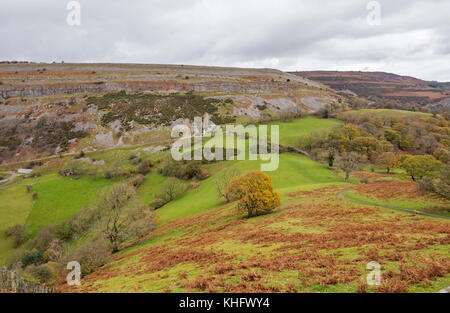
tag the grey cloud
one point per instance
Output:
(413, 39)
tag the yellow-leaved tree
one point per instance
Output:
(255, 193)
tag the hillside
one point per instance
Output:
(386, 86)
(354, 186)
(315, 242)
(48, 109)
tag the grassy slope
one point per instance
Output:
(295, 173)
(413, 204)
(389, 112)
(290, 131)
(15, 205)
(59, 198)
(333, 235)
(294, 170)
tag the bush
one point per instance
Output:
(77, 224)
(157, 203)
(42, 240)
(172, 169)
(134, 159)
(170, 190)
(184, 170)
(140, 222)
(138, 181)
(43, 273)
(17, 232)
(90, 256)
(203, 174)
(108, 175)
(255, 193)
(114, 173)
(54, 251)
(32, 257)
(192, 170)
(144, 167)
(14, 261)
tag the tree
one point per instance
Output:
(350, 131)
(392, 136)
(350, 162)
(442, 155)
(368, 146)
(439, 185)
(331, 158)
(140, 221)
(442, 185)
(418, 166)
(388, 160)
(171, 189)
(255, 193)
(125, 219)
(114, 205)
(223, 180)
(17, 232)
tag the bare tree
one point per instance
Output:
(115, 203)
(350, 162)
(171, 189)
(223, 180)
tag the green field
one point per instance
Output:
(389, 112)
(59, 198)
(294, 170)
(291, 131)
(15, 205)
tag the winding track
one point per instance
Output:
(341, 195)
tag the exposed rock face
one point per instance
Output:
(61, 93)
(104, 139)
(316, 103)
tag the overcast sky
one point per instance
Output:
(412, 39)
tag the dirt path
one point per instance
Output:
(7, 182)
(341, 195)
(87, 153)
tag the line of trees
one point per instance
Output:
(419, 146)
